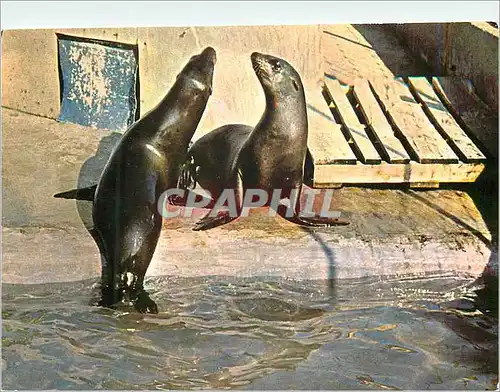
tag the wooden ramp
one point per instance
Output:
(399, 131)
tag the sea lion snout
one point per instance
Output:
(261, 58)
(210, 53)
(256, 56)
(200, 70)
(267, 63)
(261, 67)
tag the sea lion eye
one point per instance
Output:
(275, 65)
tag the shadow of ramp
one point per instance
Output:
(90, 172)
(484, 193)
(394, 53)
(331, 260)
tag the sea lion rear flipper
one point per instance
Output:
(78, 194)
(311, 221)
(207, 222)
(144, 304)
(318, 221)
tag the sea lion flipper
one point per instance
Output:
(87, 193)
(144, 304)
(327, 221)
(208, 222)
(318, 221)
(236, 186)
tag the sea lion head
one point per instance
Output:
(199, 71)
(277, 76)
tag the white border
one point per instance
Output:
(67, 14)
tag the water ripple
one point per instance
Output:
(225, 333)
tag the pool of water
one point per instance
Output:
(221, 333)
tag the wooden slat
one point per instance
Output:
(415, 128)
(326, 141)
(477, 117)
(324, 146)
(391, 173)
(461, 144)
(390, 145)
(363, 145)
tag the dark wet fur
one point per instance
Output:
(274, 154)
(143, 165)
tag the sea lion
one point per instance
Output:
(211, 158)
(272, 156)
(144, 164)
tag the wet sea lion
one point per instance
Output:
(273, 155)
(211, 158)
(144, 164)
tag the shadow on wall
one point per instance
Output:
(396, 56)
(90, 172)
(484, 192)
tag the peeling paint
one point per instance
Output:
(99, 84)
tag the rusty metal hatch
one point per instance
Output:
(99, 82)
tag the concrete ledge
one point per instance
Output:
(41, 255)
(466, 50)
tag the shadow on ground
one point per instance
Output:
(484, 192)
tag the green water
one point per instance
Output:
(219, 333)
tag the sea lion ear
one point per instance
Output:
(295, 85)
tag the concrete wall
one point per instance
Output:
(30, 75)
(31, 81)
(467, 50)
(237, 96)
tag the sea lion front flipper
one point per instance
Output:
(87, 193)
(181, 201)
(236, 189)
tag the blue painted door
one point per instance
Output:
(98, 83)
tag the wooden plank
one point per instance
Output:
(479, 120)
(390, 173)
(391, 147)
(415, 129)
(326, 141)
(424, 185)
(356, 131)
(461, 144)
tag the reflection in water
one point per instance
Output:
(243, 333)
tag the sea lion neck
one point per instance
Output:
(282, 101)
